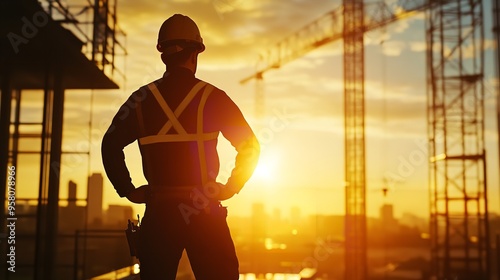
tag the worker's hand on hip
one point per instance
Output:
(139, 195)
(219, 191)
(225, 192)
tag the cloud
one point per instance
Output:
(229, 27)
(402, 25)
(418, 46)
(393, 48)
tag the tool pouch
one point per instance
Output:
(216, 209)
(132, 233)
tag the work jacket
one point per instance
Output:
(177, 120)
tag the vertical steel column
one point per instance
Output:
(355, 192)
(458, 192)
(106, 29)
(17, 121)
(54, 178)
(95, 31)
(41, 212)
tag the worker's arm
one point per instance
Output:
(247, 156)
(121, 132)
(236, 130)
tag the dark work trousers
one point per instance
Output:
(165, 233)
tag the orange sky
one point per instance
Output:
(302, 133)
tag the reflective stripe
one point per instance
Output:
(178, 138)
(201, 143)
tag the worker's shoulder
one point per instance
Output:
(216, 92)
(215, 88)
(145, 87)
(143, 91)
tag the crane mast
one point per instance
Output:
(354, 139)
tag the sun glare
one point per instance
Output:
(267, 167)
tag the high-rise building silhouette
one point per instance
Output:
(94, 199)
(72, 217)
(71, 194)
(387, 212)
(387, 217)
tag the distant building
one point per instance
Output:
(387, 217)
(71, 194)
(118, 215)
(72, 217)
(327, 226)
(412, 220)
(94, 199)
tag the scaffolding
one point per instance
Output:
(460, 243)
(53, 58)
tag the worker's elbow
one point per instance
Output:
(105, 144)
(255, 151)
(256, 146)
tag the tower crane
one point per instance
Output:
(450, 24)
(329, 28)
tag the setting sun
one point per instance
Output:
(267, 167)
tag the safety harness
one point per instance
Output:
(173, 122)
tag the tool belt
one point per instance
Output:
(132, 232)
(172, 192)
(187, 194)
(216, 209)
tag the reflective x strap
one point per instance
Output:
(200, 136)
(178, 111)
(164, 106)
(201, 143)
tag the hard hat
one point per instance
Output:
(178, 32)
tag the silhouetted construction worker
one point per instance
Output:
(176, 121)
